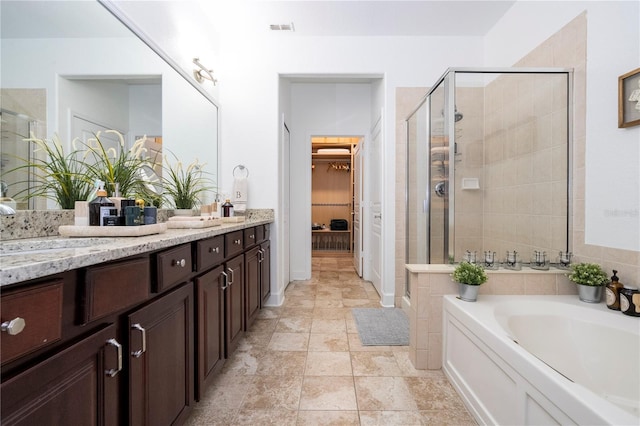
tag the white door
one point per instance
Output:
(374, 179)
(357, 164)
(286, 203)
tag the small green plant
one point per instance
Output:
(183, 187)
(469, 273)
(587, 274)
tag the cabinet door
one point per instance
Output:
(161, 359)
(210, 326)
(76, 386)
(252, 286)
(265, 271)
(234, 303)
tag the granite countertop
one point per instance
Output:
(30, 258)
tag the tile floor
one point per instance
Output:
(303, 364)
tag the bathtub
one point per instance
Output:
(542, 360)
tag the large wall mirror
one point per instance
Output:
(71, 68)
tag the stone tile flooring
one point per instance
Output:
(303, 364)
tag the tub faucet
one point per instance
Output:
(6, 210)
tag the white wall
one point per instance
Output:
(612, 186)
(249, 95)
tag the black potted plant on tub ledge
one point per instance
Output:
(469, 277)
(590, 280)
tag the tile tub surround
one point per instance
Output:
(17, 267)
(428, 283)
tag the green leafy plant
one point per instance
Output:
(57, 175)
(183, 187)
(469, 273)
(587, 274)
(119, 168)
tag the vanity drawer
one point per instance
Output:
(233, 243)
(33, 317)
(174, 266)
(209, 253)
(250, 237)
(114, 287)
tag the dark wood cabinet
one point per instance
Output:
(132, 341)
(161, 374)
(252, 286)
(234, 303)
(210, 291)
(76, 386)
(265, 271)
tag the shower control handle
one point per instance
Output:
(440, 189)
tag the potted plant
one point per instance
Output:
(58, 176)
(119, 169)
(469, 277)
(183, 187)
(590, 280)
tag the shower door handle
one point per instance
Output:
(440, 189)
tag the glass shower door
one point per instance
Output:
(438, 157)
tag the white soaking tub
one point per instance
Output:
(543, 360)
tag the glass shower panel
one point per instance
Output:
(438, 175)
(417, 172)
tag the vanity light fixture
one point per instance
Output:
(203, 73)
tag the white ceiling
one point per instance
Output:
(359, 17)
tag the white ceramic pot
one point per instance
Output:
(184, 212)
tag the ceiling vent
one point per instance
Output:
(282, 27)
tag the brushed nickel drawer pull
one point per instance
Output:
(13, 327)
(226, 280)
(113, 371)
(138, 353)
(214, 250)
(179, 263)
(231, 272)
(252, 237)
(238, 242)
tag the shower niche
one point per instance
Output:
(488, 165)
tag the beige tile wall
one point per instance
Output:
(567, 48)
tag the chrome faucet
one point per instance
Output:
(6, 210)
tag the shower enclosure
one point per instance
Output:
(488, 166)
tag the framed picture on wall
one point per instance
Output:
(629, 99)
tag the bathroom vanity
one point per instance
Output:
(125, 330)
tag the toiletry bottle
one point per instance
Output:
(216, 208)
(227, 208)
(99, 208)
(613, 292)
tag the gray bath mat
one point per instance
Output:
(382, 326)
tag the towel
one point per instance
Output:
(239, 194)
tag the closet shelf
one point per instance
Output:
(330, 204)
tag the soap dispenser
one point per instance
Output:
(100, 207)
(613, 292)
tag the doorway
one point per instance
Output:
(332, 195)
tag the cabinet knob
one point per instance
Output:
(179, 263)
(214, 250)
(238, 242)
(252, 237)
(13, 327)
